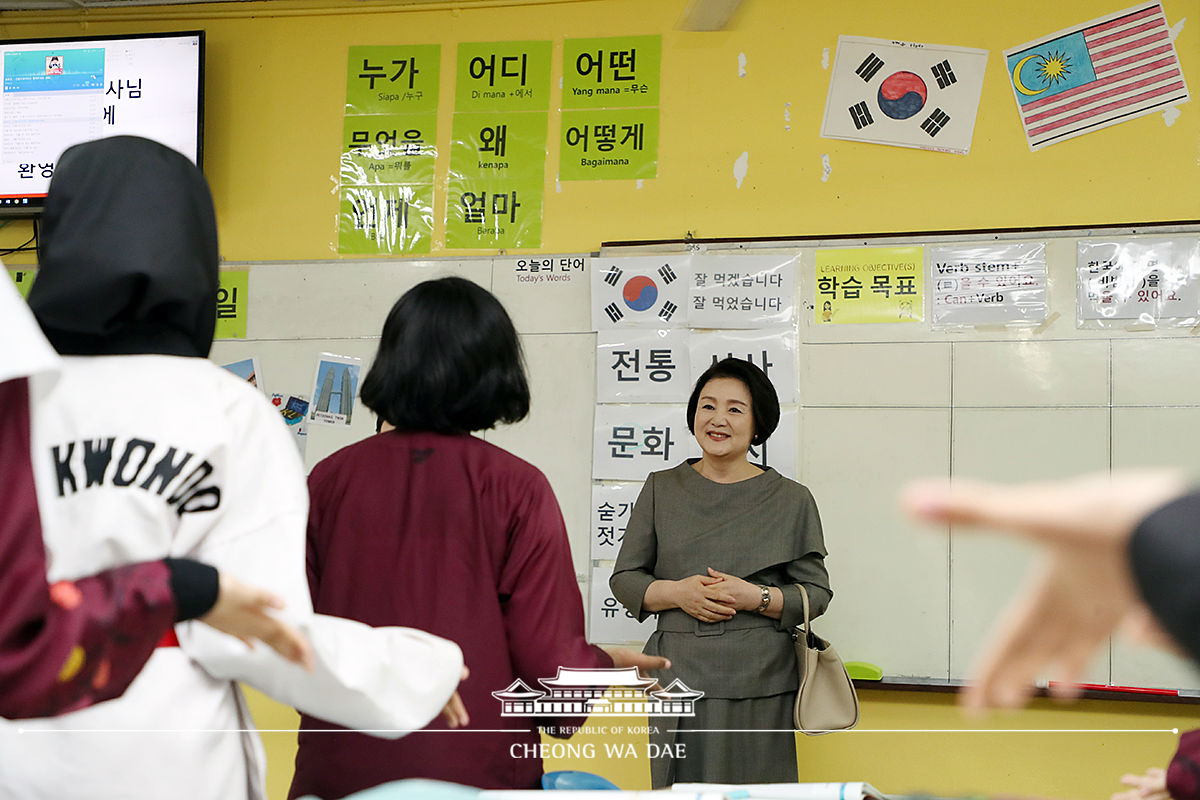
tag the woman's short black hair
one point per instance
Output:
(449, 361)
(764, 402)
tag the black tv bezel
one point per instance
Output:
(37, 204)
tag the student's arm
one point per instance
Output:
(385, 680)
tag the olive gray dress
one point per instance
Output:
(767, 531)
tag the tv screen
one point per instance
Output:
(55, 93)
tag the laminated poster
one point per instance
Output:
(233, 288)
(335, 384)
(990, 284)
(609, 621)
(772, 350)
(612, 503)
(643, 366)
(1148, 281)
(248, 370)
(742, 291)
(389, 150)
(631, 441)
(640, 291)
(870, 285)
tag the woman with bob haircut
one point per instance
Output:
(715, 547)
(425, 523)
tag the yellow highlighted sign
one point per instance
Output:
(870, 284)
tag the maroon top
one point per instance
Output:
(1183, 774)
(75, 643)
(457, 537)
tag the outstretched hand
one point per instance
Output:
(626, 657)
(455, 712)
(242, 610)
(1151, 786)
(1082, 589)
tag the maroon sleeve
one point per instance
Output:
(543, 610)
(312, 549)
(75, 643)
(1183, 774)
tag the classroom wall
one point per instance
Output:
(275, 86)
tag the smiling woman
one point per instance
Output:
(715, 548)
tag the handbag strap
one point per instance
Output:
(804, 599)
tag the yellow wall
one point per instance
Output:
(276, 85)
(1071, 765)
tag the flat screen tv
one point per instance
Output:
(55, 93)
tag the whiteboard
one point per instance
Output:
(877, 405)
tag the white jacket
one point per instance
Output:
(141, 457)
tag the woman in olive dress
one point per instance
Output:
(715, 547)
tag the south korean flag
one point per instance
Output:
(904, 94)
(640, 292)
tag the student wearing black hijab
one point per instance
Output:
(144, 449)
(68, 645)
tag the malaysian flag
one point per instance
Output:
(1097, 74)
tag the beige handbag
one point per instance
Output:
(826, 700)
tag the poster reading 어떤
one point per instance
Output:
(610, 95)
(870, 284)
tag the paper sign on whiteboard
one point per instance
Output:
(612, 503)
(609, 621)
(742, 291)
(642, 291)
(1147, 280)
(870, 284)
(772, 351)
(988, 284)
(630, 442)
(635, 365)
(779, 451)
